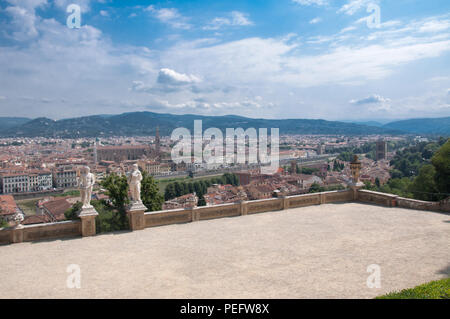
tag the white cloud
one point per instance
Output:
(23, 22)
(435, 26)
(170, 16)
(235, 18)
(315, 20)
(171, 77)
(104, 13)
(216, 77)
(353, 6)
(373, 99)
(311, 2)
(85, 5)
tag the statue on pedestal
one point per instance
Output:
(18, 219)
(86, 183)
(134, 184)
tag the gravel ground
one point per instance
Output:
(311, 252)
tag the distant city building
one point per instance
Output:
(155, 168)
(381, 150)
(320, 149)
(14, 183)
(122, 153)
(27, 181)
(65, 177)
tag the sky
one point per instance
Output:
(328, 59)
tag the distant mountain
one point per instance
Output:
(370, 123)
(144, 123)
(8, 122)
(438, 126)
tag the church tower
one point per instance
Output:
(157, 142)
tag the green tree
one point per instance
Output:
(424, 185)
(441, 163)
(109, 218)
(150, 195)
(169, 192)
(117, 190)
(72, 212)
(316, 188)
(377, 182)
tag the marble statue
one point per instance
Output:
(86, 183)
(134, 182)
(19, 218)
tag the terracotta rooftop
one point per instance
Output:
(8, 205)
(57, 208)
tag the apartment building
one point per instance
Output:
(27, 181)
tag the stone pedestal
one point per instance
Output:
(194, 213)
(355, 187)
(87, 216)
(243, 207)
(135, 214)
(285, 202)
(17, 234)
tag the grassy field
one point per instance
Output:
(439, 289)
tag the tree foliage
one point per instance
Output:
(200, 187)
(117, 190)
(441, 163)
(150, 195)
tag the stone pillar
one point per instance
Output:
(285, 202)
(87, 216)
(243, 207)
(354, 188)
(17, 234)
(195, 217)
(136, 217)
(322, 198)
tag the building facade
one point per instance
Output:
(381, 150)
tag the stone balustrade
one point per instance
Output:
(187, 215)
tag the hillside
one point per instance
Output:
(144, 123)
(440, 126)
(8, 122)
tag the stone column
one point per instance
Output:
(194, 213)
(285, 202)
(321, 198)
(243, 207)
(354, 188)
(17, 234)
(87, 216)
(136, 216)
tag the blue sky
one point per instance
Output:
(275, 59)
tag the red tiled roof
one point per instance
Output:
(36, 219)
(57, 208)
(8, 205)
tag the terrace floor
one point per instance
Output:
(311, 252)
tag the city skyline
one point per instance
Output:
(280, 59)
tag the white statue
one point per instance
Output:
(19, 218)
(134, 182)
(86, 183)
